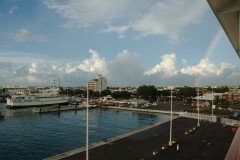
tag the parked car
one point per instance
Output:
(236, 114)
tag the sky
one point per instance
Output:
(130, 42)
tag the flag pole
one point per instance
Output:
(87, 125)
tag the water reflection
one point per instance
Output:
(36, 136)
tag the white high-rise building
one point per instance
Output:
(98, 84)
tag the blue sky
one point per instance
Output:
(132, 43)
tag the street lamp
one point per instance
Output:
(212, 103)
(170, 139)
(87, 126)
(198, 124)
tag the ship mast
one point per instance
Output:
(28, 88)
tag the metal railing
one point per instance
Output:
(230, 122)
(234, 149)
(204, 117)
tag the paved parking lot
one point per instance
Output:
(210, 141)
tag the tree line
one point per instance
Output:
(144, 92)
(152, 94)
(147, 92)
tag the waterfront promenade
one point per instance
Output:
(210, 141)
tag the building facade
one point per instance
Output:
(92, 84)
(98, 84)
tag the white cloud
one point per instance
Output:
(33, 68)
(12, 10)
(184, 61)
(24, 35)
(88, 12)
(70, 68)
(21, 71)
(205, 67)
(166, 66)
(168, 17)
(32, 79)
(125, 69)
(94, 64)
(120, 30)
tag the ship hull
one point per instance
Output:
(11, 104)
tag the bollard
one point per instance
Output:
(178, 147)
(156, 152)
(164, 146)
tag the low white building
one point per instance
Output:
(207, 98)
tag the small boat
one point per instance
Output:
(2, 114)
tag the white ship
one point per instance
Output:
(42, 97)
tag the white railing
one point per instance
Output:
(230, 122)
(234, 149)
(204, 117)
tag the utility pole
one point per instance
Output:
(87, 125)
(198, 124)
(212, 103)
(170, 139)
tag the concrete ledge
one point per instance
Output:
(139, 110)
(234, 149)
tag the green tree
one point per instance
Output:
(147, 92)
(223, 103)
(125, 95)
(90, 93)
(216, 100)
(122, 95)
(106, 92)
(96, 94)
(221, 89)
(164, 93)
(116, 94)
(186, 92)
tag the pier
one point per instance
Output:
(58, 108)
(139, 110)
(152, 143)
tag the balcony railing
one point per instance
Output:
(234, 150)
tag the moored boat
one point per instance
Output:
(2, 114)
(45, 97)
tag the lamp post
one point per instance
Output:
(87, 126)
(170, 139)
(198, 124)
(212, 103)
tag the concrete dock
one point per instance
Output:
(209, 141)
(146, 110)
(59, 108)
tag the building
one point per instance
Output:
(99, 84)
(206, 99)
(92, 84)
(232, 98)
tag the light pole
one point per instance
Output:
(170, 139)
(212, 103)
(87, 126)
(198, 124)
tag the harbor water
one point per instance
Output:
(26, 135)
